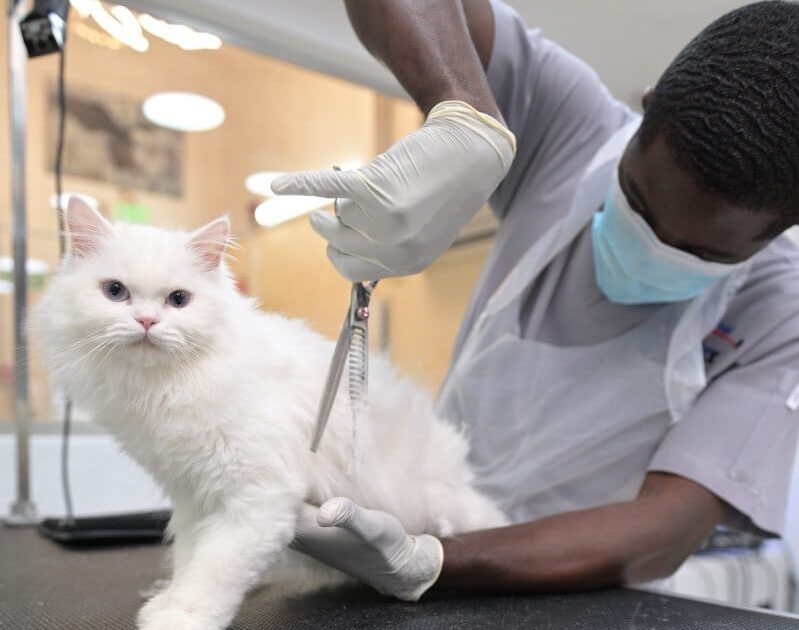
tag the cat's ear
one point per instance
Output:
(209, 243)
(86, 227)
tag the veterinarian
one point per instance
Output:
(628, 367)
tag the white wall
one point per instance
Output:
(103, 480)
(629, 42)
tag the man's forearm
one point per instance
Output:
(634, 541)
(430, 47)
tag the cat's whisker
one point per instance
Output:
(104, 344)
(82, 358)
(192, 340)
(182, 344)
(182, 353)
(91, 337)
(193, 346)
(69, 352)
(105, 355)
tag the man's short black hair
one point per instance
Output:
(728, 109)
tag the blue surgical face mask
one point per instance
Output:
(633, 266)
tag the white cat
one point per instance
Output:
(144, 328)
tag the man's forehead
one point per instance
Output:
(682, 212)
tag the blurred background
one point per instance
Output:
(290, 88)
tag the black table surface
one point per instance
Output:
(49, 587)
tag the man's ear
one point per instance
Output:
(647, 97)
(209, 243)
(86, 227)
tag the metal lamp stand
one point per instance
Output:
(23, 510)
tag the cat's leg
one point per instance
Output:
(181, 532)
(230, 550)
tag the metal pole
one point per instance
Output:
(23, 510)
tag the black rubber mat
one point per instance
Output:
(47, 587)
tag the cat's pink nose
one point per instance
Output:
(147, 322)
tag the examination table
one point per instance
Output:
(44, 586)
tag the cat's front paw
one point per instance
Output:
(156, 603)
(172, 617)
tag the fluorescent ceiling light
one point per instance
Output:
(33, 266)
(93, 36)
(183, 111)
(120, 22)
(179, 35)
(87, 199)
(277, 210)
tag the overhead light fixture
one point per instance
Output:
(36, 270)
(183, 111)
(277, 210)
(179, 35)
(122, 24)
(33, 266)
(119, 22)
(93, 36)
(65, 197)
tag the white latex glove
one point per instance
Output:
(402, 210)
(370, 545)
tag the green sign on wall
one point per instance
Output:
(131, 212)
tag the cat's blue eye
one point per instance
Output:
(179, 298)
(115, 291)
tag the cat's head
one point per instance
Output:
(137, 294)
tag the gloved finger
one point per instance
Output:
(356, 269)
(327, 544)
(338, 512)
(321, 183)
(357, 215)
(345, 513)
(364, 523)
(343, 238)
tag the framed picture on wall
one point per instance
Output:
(108, 139)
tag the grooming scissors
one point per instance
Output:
(352, 343)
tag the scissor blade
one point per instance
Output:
(332, 383)
(358, 366)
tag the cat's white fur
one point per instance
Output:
(219, 407)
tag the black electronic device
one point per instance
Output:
(44, 28)
(138, 527)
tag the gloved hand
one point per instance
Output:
(402, 210)
(370, 545)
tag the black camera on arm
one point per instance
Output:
(44, 28)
